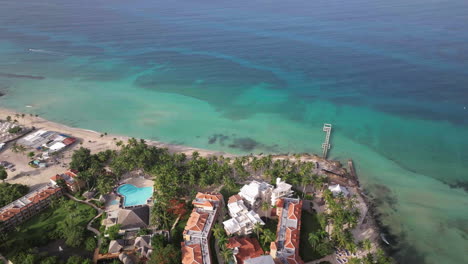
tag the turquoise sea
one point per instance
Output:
(263, 76)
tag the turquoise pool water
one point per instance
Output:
(134, 195)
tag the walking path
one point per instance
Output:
(89, 226)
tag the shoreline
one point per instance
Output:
(97, 141)
(91, 135)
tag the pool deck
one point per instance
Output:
(138, 182)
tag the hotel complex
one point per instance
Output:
(197, 233)
(286, 246)
(27, 206)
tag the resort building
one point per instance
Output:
(243, 220)
(143, 246)
(133, 218)
(197, 233)
(256, 192)
(286, 247)
(338, 189)
(27, 206)
(116, 246)
(70, 179)
(282, 189)
(47, 141)
(244, 248)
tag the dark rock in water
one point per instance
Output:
(246, 144)
(1, 94)
(459, 185)
(11, 75)
(212, 139)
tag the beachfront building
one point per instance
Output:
(255, 193)
(286, 247)
(47, 141)
(338, 189)
(197, 233)
(282, 189)
(27, 206)
(243, 220)
(244, 248)
(70, 179)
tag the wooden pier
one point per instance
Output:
(326, 145)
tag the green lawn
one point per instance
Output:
(41, 229)
(309, 224)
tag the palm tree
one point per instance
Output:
(313, 240)
(15, 148)
(21, 149)
(226, 254)
(258, 229)
(3, 174)
(268, 236)
(305, 180)
(265, 207)
(218, 231)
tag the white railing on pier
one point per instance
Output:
(326, 145)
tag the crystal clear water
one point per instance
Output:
(263, 76)
(134, 195)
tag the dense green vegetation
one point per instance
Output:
(343, 216)
(91, 169)
(313, 244)
(178, 177)
(378, 258)
(3, 174)
(10, 192)
(64, 219)
(14, 130)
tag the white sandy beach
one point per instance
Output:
(92, 140)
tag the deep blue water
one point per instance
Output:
(263, 76)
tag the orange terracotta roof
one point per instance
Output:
(295, 259)
(71, 173)
(280, 203)
(204, 203)
(7, 215)
(291, 238)
(197, 221)
(55, 177)
(294, 211)
(234, 198)
(248, 248)
(210, 196)
(44, 194)
(191, 254)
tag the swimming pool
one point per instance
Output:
(134, 195)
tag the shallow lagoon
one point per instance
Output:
(252, 77)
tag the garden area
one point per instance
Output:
(62, 225)
(310, 224)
